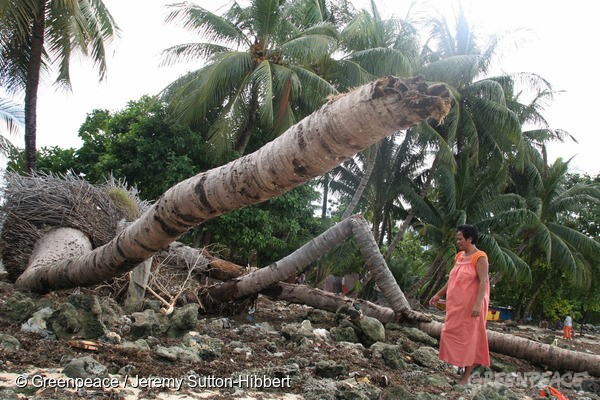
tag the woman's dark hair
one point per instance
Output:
(469, 231)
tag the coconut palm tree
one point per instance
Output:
(467, 195)
(482, 122)
(371, 46)
(38, 35)
(559, 251)
(258, 74)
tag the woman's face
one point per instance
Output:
(461, 242)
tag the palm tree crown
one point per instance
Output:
(258, 73)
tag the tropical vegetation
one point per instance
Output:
(270, 63)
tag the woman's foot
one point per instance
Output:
(464, 380)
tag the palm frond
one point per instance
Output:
(308, 49)
(489, 90)
(266, 17)
(456, 70)
(262, 80)
(382, 61)
(314, 89)
(11, 115)
(197, 93)
(191, 52)
(588, 247)
(349, 74)
(206, 24)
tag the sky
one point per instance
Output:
(554, 43)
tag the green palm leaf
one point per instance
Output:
(205, 24)
(308, 49)
(263, 81)
(382, 61)
(194, 95)
(191, 51)
(265, 15)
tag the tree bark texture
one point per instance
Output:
(34, 66)
(539, 353)
(335, 132)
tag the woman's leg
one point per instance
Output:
(467, 375)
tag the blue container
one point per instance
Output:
(505, 313)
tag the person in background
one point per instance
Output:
(464, 341)
(568, 328)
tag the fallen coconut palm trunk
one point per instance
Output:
(315, 145)
(327, 301)
(539, 353)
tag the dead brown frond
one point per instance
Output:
(34, 204)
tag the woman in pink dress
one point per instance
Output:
(464, 341)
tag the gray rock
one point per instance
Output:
(372, 330)
(206, 347)
(317, 316)
(177, 353)
(9, 343)
(151, 304)
(296, 332)
(499, 366)
(319, 389)
(329, 369)
(494, 391)
(419, 336)
(17, 308)
(84, 367)
(427, 357)
(37, 323)
(183, 320)
(397, 392)
(265, 326)
(363, 391)
(140, 344)
(343, 334)
(84, 316)
(146, 323)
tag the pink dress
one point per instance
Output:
(464, 339)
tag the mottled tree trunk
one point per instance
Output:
(32, 84)
(539, 353)
(335, 132)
